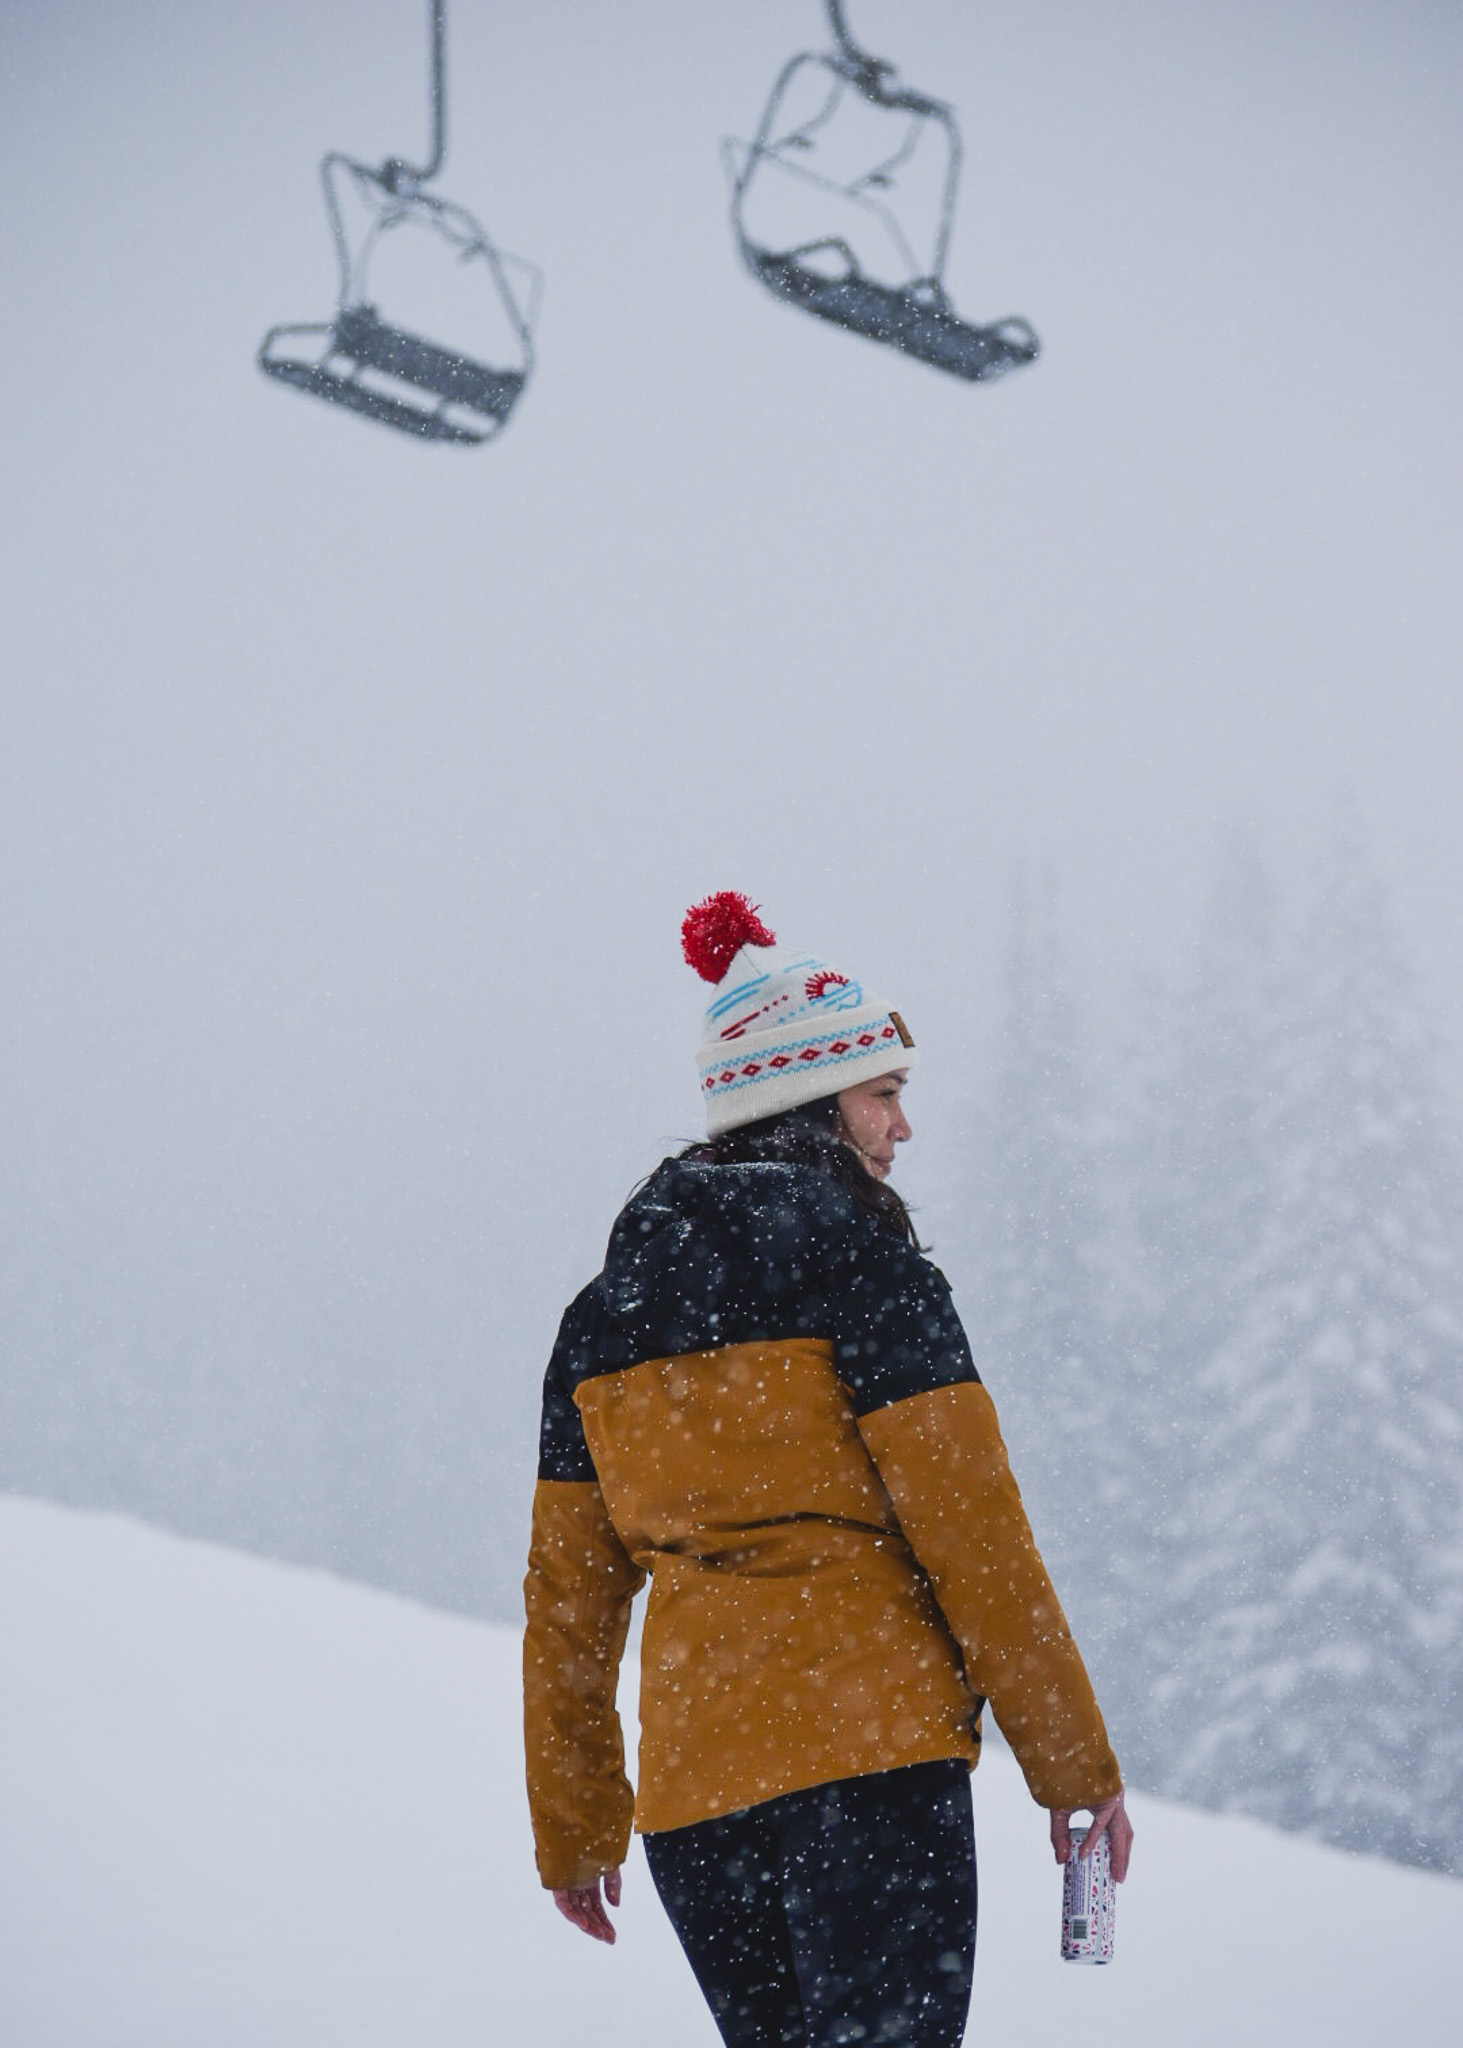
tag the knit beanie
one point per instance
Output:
(783, 1027)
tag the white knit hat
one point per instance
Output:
(783, 1027)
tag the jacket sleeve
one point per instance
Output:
(578, 1591)
(931, 1429)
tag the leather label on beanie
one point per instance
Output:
(902, 1028)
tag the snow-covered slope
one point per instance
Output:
(242, 1803)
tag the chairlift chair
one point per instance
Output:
(824, 275)
(362, 361)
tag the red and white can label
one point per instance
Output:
(1089, 1903)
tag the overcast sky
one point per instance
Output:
(354, 788)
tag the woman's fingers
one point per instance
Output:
(1110, 1818)
(1120, 1838)
(582, 1904)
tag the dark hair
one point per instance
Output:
(810, 1135)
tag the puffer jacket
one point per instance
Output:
(766, 1403)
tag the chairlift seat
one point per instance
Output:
(360, 340)
(918, 322)
(361, 332)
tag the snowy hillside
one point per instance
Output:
(244, 1804)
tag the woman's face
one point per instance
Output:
(873, 1121)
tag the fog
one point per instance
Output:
(354, 788)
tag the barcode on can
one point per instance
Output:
(1079, 1929)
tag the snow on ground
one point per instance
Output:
(242, 1803)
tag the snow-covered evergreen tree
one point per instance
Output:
(1309, 1682)
(1042, 1318)
(1195, 1173)
(1223, 1320)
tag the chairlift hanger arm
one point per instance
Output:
(866, 71)
(875, 76)
(396, 174)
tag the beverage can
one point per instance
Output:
(1089, 1903)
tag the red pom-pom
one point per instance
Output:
(713, 932)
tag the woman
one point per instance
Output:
(766, 1402)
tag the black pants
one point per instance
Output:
(842, 1914)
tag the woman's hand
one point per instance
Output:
(1110, 1819)
(583, 1905)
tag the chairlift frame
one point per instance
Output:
(434, 392)
(917, 317)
